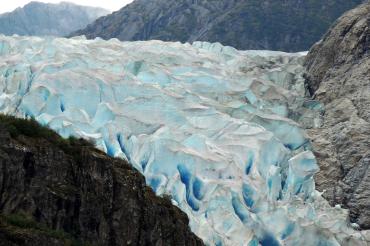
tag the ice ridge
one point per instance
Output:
(220, 130)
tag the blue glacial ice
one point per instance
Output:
(216, 128)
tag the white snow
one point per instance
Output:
(207, 124)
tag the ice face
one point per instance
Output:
(213, 127)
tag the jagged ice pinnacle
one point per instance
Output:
(214, 127)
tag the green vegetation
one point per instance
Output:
(26, 131)
(32, 129)
(14, 222)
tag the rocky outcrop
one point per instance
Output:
(70, 187)
(288, 25)
(338, 74)
(39, 19)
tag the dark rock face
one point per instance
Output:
(95, 198)
(36, 19)
(287, 25)
(338, 74)
(15, 236)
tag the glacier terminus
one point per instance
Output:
(219, 130)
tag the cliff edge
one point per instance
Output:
(338, 74)
(56, 191)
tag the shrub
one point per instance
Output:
(31, 128)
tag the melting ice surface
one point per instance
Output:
(212, 126)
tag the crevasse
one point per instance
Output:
(220, 130)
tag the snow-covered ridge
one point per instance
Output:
(208, 124)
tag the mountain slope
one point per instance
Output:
(37, 18)
(338, 75)
(54, 191)
(287, 25)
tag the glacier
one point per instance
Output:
(219, 130)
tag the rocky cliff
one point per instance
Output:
(338, 74)
(287, 25)
(37, 19)
(63, 192)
